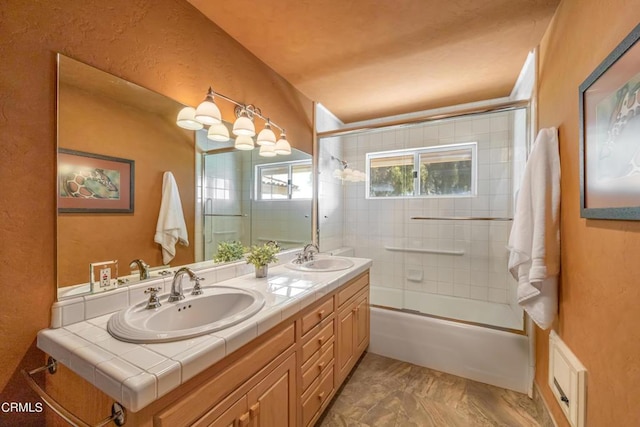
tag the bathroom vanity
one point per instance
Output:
(280, 367)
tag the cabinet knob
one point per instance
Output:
(321, 340)
(320, 365)
(321, 313)
(243, 421)
(321, 395)
(255, 410)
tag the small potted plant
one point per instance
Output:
(261, 256)
(229, 251)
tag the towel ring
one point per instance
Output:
(118, 413)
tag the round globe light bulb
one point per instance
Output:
(244, 142)
(186, 119)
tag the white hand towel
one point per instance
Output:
(534, 243)
(171, 228)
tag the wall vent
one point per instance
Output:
(567, 379)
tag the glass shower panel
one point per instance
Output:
(223, 216)
(434, 214)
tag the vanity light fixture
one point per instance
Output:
(282, 146)
(267, 151)
(244, 142)
(266, 135)
(244, 125)
(208, 114)
(218, 132)
(187, 119)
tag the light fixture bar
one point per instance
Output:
(254, 111)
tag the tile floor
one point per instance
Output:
(387, 392)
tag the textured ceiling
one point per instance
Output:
(373, 58)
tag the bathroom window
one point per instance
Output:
(442, 171)
(284, 181)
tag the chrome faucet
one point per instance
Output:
(143, 268)
(176, 286)
(307, 252)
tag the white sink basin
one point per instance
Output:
(218, 308)
(322, 264)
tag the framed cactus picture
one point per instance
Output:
(93, 183)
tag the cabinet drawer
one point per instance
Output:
(356, 285)
(317, 315)
(317, 364)
(317, 340)
(316, 396)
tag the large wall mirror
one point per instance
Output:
(107, 124)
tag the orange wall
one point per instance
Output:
(600, 292)
(164, 45)
(99, 125)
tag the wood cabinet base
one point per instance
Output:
(285, 377)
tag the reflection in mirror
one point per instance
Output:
(103, 115)
(252, 199)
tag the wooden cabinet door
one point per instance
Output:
(272, 403)
(361, 334)
(345, 354)
(232, 416)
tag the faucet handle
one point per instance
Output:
(197, 290)
(299, 258)
(154, 301)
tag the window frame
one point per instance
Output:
(289, 165)
(416, 152)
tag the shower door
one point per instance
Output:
(226, 204)
(434, 213)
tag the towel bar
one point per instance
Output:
(424, 251)
(118, 413)
(460, 218)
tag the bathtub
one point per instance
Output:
(478, 353)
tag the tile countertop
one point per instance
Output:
(135, 375)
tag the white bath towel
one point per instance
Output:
(534, 243)
(171, 228)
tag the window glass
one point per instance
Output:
(391, 176)
(301, 181)
(274, 182)
(441, 171)
(445, 173)
(283, 181)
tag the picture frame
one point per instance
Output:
(94, 183)
(609, 108)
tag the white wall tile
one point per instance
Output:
(445, 288)
(479, 293)
(73, 313)
(56, 316)
(497, 295)
(462, 291)
(107, 302)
